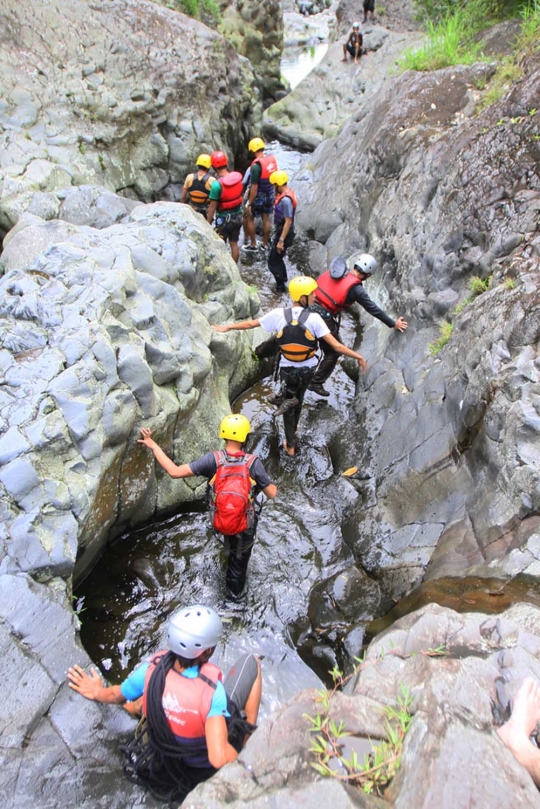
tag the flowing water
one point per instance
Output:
(298, 62)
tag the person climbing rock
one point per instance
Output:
(298, 333)
(369, 8)
(516, 733)
(338, 288)
(193, 721)
(261, 193)
(283, 236)
(226, 202)
(228, 470)
(353, 46)
(197, 186)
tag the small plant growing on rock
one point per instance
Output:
(332, 760)
(444, 335)
(479, 285)
(510, 283)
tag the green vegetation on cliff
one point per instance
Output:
(205, 10)
(453, 31)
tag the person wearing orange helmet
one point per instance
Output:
(234, 430)
(197, 186)
(284, 212)
(226, 202)
(299, 331)
(260, 200)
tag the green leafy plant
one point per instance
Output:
(510, 283)
(328, 746)
(479, 285)
(445, 333)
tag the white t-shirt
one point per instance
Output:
(275, 321)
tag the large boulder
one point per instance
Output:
(449, 459)
(461, 672)
(101, 332)
(126, 101)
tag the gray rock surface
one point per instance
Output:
(102, 331)
(450, 465)
(124, 97)
(452, 756)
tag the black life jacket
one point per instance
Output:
(198, 190)
(295, 342)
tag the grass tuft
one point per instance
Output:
(445, 334)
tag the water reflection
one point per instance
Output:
(298, 62)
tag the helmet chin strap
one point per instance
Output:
(303, 305)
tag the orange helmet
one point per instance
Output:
(218, 159)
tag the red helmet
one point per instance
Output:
(218, 159)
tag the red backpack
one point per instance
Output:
(231, 488)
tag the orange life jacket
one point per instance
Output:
(331, 294)
(278, 214)
(231, 191)
(186, 700)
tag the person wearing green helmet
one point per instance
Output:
(284, 212)
(260, 201)
(299, 331)
(235, 478)
(197, 186)
(193, 719)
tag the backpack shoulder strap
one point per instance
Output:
(250, 460)
(303, 317)
(287, 314)
(219, 457)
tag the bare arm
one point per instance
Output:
(286, 227)
(212, 208)
(270, 491)
(347, 352)
(220, 752)
(242, 326)
(91, 687)
(183, 471)
(252, 193)
(183, 195)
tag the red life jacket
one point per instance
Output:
(278, 214)
(268, 165)
(231, 191)
(331, 294)
(186, 700)
(231, 493)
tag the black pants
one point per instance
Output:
(239, 549)
(329, 356)
(276, 260)
(294, 382)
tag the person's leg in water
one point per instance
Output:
(267, 227)
(328, 361)
(295, 382)
(517, 731)
(276, 259)
(237, 565)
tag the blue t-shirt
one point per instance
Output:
(132, 688)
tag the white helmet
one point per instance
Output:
(366, 263)
(192, 630)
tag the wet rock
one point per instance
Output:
(346, 598)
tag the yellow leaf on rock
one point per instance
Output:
(349, 472)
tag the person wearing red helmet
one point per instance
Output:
(226, 202)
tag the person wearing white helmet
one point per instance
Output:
(353, 46)
(338, 288)
(299, 331)
(194, 721)
(235, 478)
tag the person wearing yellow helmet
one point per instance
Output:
(235, 478)
(299, 331)
(260, 200)
(197, 186)
(283, 236)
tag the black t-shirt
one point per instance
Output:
(206, 467)
(357, 294)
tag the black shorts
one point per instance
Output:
(228, 226)
(263, 204)
(369, 5)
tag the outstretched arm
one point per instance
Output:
(91, 687)
(183, 471)
(242, 326)
(347, 352)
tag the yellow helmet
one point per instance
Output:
(301, 285)
(256, 144)
(234, 428)
(203, 160)
(279, 178)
